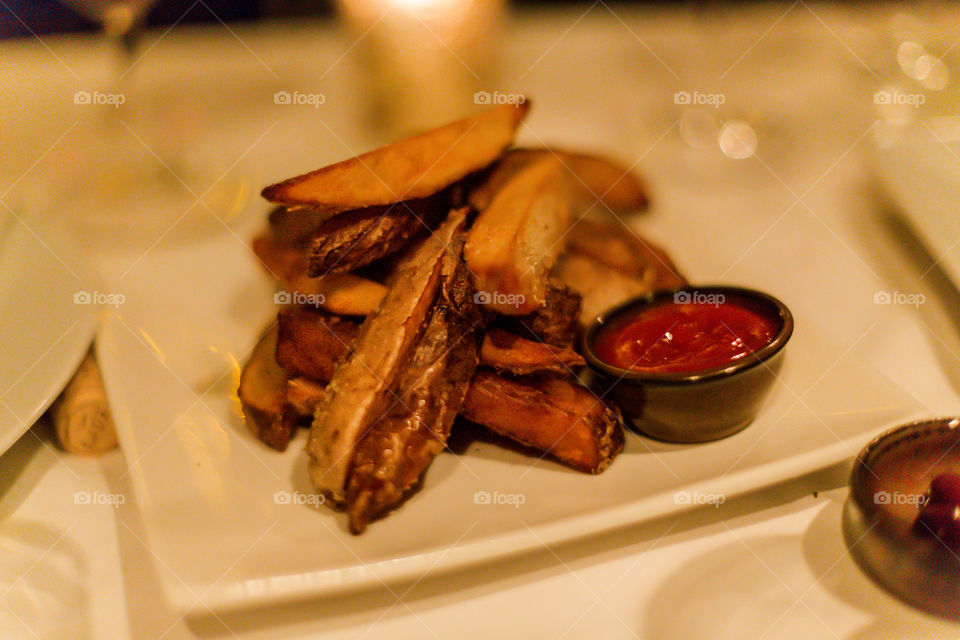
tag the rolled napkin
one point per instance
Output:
(81, 415)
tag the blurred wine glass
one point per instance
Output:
(130, 183)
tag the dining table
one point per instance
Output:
(750, 122)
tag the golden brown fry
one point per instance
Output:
(555, 415)
(607, 267)
(416, 167)
(515, 241)
(398, 448)
(505, 351)
(362, 386)
(263, 394)
(594, 179)
(344, 294)
(618, 247)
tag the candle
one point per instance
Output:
(424, 59)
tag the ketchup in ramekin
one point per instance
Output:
(681, 336)
(691, 364)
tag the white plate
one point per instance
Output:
(45, 329)
(921, 171)
(220, 509)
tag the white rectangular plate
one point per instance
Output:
(221, 510)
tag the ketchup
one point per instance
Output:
(685, 337)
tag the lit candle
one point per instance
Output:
(425, 58)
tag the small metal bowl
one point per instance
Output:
(692, 407)
(890, 478)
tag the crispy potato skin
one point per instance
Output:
(357, 238)
(361, 388)
(263, 394)
(416, 167)
(399, 447)
(345, 294)
(508, 352)
(551, 414)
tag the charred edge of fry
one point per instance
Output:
(398, 448)
(358, 393)
(510, 353)
(357, 238)
(555, 322)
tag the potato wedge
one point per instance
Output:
(356, 238)
(363, 385)
(515, 241)
(593, 179)
(557, 416)
(416, 167)
(263, 394)
(390, 459)
(508, 352)
(555, 322)
(344, 294)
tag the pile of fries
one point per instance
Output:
(445, 274)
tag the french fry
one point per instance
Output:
(594, 179)
(416, 167)
(555, 322)
(505, 351)
(263, 394)
(555, 415)
(515, 240)
(344, 294)
(356, 238)
(398, 448)
(362, 385)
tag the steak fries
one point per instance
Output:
(441, 275)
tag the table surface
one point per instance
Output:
(771, 564)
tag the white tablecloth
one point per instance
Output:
(768, 565)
